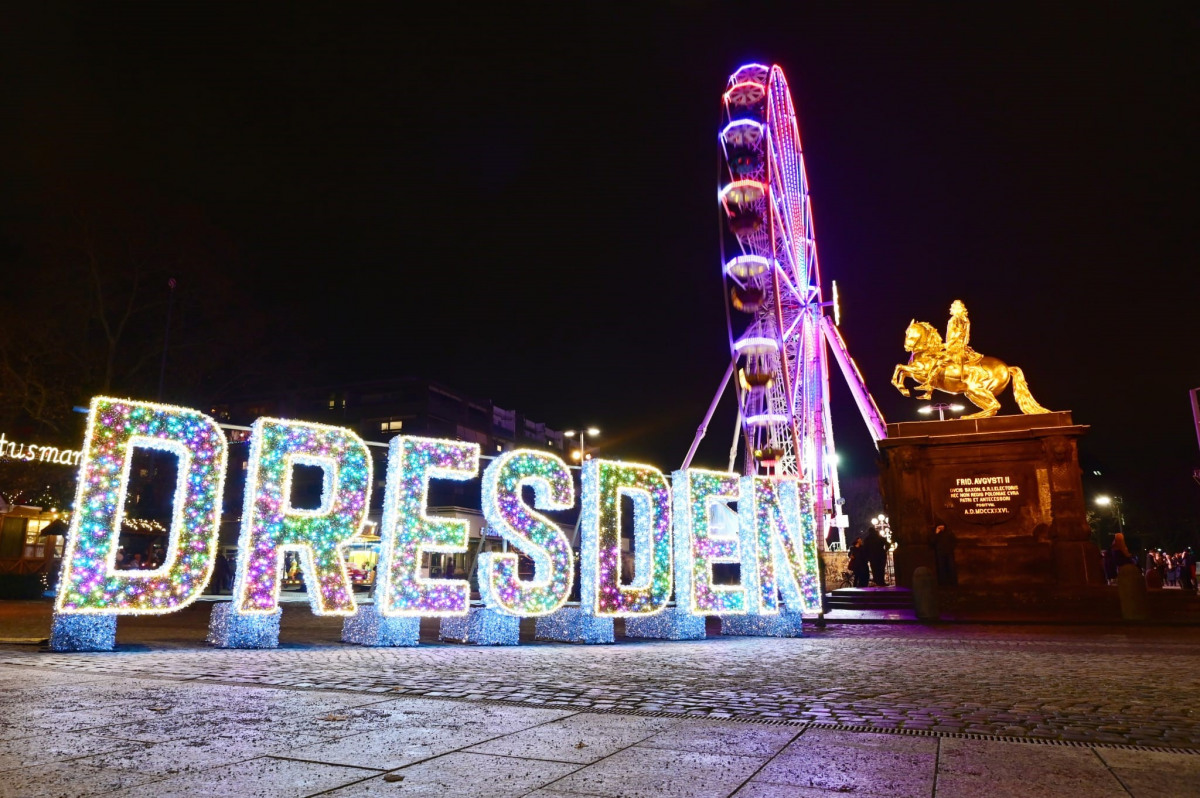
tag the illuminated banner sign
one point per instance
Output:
(676, 539)
(31, 452)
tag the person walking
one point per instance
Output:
(944, 544)
(876, 549)
(220, 579)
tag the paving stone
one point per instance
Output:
(869, 763)
(998, 770)
(741, 739)
(581, 738)
(1154, 774)
(761, 789)
(60, 779)
(463, 774)
(188, 755)
(257, 778)
(661, 773)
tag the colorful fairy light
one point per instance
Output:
(271, 526)
(90, 580)
(604, 483)
(698, 545)
(407, 532)
(779, 543)
(531, 533)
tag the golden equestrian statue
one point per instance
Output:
(954, 367)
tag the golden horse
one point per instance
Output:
(980, 383)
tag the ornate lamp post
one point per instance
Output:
(1115, 502)
(941, 408)
(580, 454)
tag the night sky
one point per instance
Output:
(522, 204)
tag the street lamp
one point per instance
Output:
(580, 454)
(1115, 502)
(941, 408)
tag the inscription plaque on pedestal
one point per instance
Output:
(985, 500)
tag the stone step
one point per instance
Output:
(863, 604)
(870, 616)
(887, 599)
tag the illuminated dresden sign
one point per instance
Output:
(31, 452)
(675, 540)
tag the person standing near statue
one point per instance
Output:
(858, 564)
(876, 550)
(944, 543)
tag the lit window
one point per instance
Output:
(391, 426)
(499, 448)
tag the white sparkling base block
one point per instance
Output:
(229, 629)
(75, 632)
(368, 628)
(481, 627)
(673, 623)
(785, 624)
(573, 625)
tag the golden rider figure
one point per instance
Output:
(958, 336)
(956, 351)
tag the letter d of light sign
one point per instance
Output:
(92, 591)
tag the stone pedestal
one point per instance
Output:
(673, 623)
(368, 628)
(571, 624)
(80, 632)
(783, 624)
(1009, 488)
(481, 627)
(229, 629)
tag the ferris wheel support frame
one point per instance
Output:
(858, 386)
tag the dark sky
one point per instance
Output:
(522, 203)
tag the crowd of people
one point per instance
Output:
(138, 561)
(1161, 568)
(869, 553)
(868, 559)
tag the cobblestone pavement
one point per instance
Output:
(1133, 686)
(69, 733)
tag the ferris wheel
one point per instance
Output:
(778, 320)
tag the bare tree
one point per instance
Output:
(88, 315)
